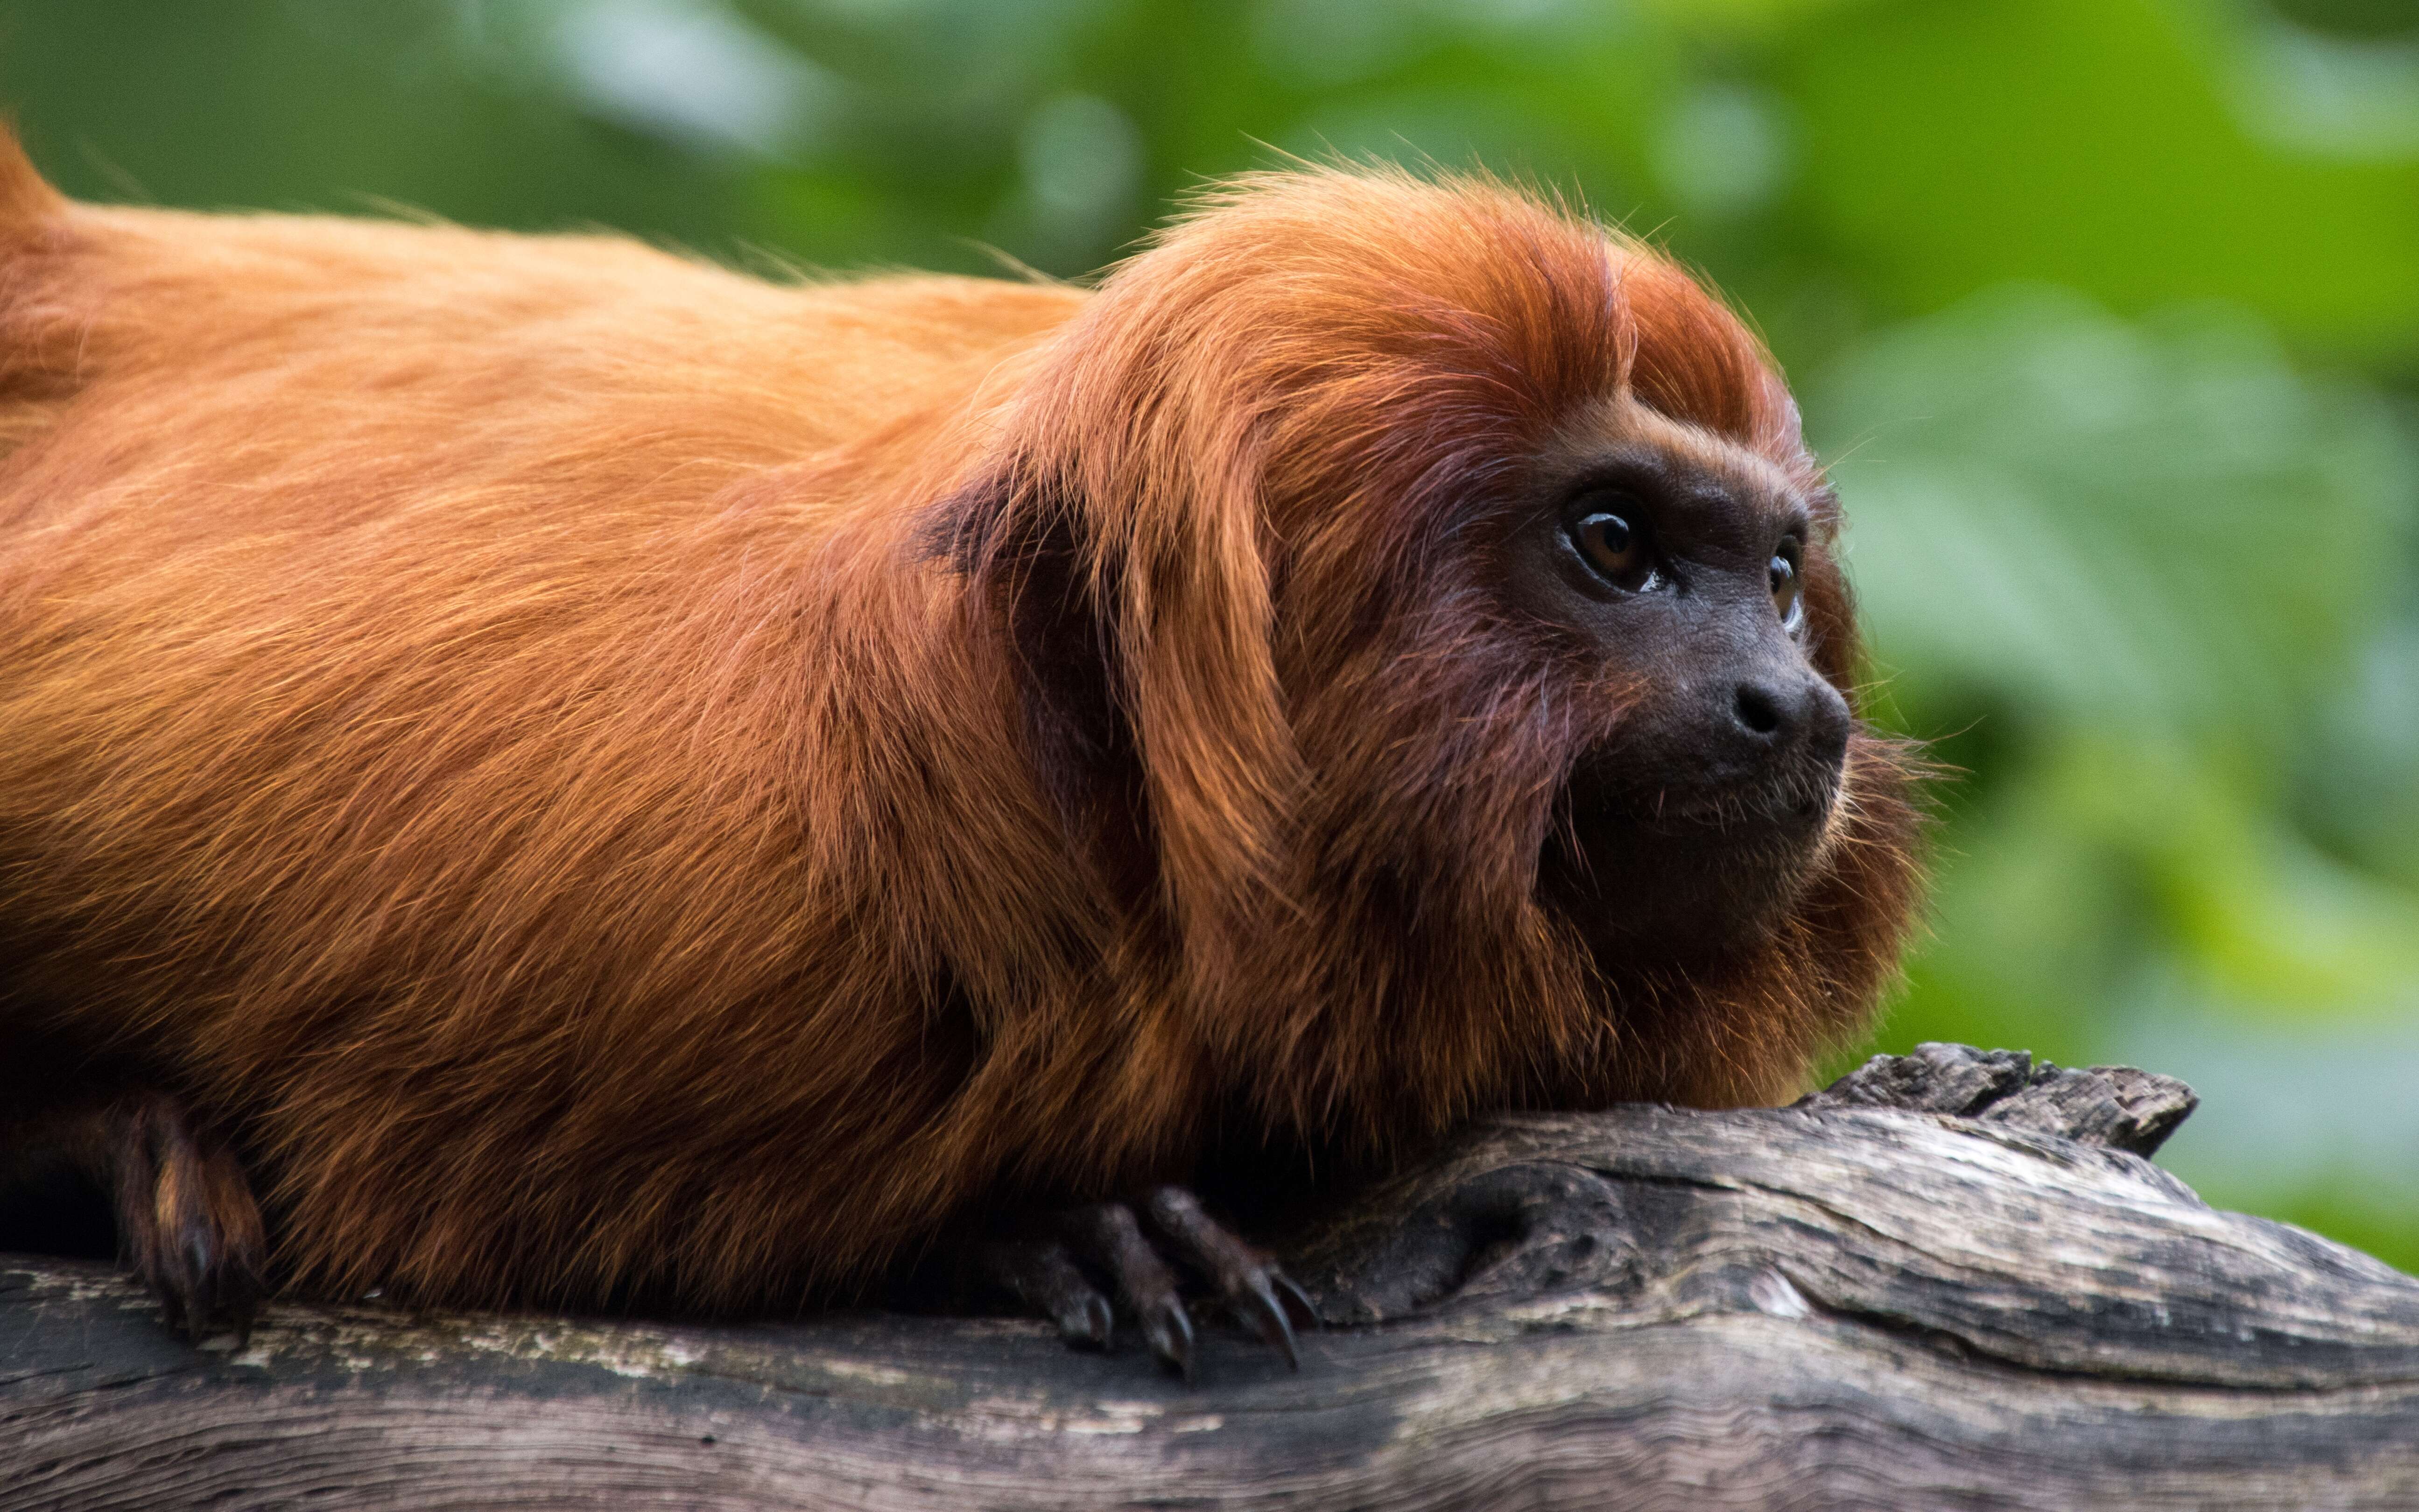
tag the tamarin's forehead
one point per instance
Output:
(1692, 466)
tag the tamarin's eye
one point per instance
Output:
(1785, 586)
(1613, 546)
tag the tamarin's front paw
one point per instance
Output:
(186, 1218)
(1056, 1276)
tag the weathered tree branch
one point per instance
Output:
(1946, 1281)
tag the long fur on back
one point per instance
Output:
(617, 777)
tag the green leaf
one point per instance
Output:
(2095, 144)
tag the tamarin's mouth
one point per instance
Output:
(1685, 870)
(1689, 793)
(1780, 803)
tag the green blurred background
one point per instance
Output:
(2106, 311)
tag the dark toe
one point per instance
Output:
(1043, 1276)
(1107, 1235)
(1263, 1296)
(187, 1221)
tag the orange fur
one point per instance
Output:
(613, 775)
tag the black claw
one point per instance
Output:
(229, 1300)
(1259, 1307)
(1298, 1304)
(245, 1308)
(1170, 1333)
(1086, 1321)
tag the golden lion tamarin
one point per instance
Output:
(589, 777)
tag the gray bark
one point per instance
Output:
(1950, 1280)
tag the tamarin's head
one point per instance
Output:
(1429, 626)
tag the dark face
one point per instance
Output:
(1674, 558)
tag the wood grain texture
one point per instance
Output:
(1946, 1281)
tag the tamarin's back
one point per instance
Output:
(424, 696)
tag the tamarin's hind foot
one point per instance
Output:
(186, 1219)
(1056, 1276)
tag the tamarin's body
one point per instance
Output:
(605, 778)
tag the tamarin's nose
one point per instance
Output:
(1758, 710)
(1779, 717)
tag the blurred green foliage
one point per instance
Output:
(2106, 310)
